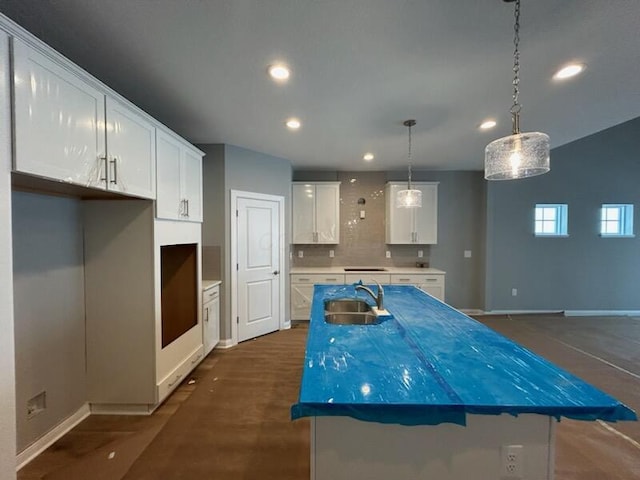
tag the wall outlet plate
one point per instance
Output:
(388, 254)
(300, 254)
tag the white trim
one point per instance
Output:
(49, 438)
(472, 311)
(520, 312)
(601, 313)
(123, 408)
(279, 199)
(226, 343)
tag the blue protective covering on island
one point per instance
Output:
(428, 364)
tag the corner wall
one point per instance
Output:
(582, 271)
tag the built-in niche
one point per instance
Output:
(179, 295)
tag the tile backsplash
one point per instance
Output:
(361, 240)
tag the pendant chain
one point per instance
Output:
(515, 108)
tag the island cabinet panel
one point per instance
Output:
(412, 225)
(433, 284)
(316, 212)
(69, 129)
(368, 278)
(301, 293)
(179, 179)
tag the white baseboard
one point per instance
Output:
(49, 438)
(226, 343)
(122, 409)
(523, 312)
(601, 313)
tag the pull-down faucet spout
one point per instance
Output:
(378, 298)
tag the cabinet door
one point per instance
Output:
(327, 213)
(169, 203)
(211, 321)
(301, 298)
(191, 178)
(303, 213)
(59, 120)
(131, 151)
(400, 222)
(427, 216)
(435, 290)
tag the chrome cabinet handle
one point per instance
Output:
(176, 380)
(104, 178)
(206, 318)
(114, 162)
(196, 359)
(187, 207)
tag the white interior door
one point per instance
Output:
(258, 266)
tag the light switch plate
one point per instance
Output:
(300, 254)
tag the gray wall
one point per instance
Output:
(7, 359)
(461, 220)
(582, 271)
(248, 171)
(48, 275)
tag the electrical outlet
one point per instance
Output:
(332, 253)
(300, 254)
(467, 254)
(388, 254)
(514, 292)
(511, 462)
(420, 254)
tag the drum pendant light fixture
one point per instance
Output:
(519, 155)
(409, 198)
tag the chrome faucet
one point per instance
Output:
(378, 298)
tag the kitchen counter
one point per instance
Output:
(434, 369)
(388, 270)
(207, 284)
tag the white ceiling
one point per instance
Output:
(359, 69)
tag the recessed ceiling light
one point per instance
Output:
(279, 72)
(487, 124)
(368, 157)
(569, 71)
(293, 123)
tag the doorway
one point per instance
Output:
(257, 260)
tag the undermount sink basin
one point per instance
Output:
(365, 269)
(351, 318)
(343, 305)
(349, 311)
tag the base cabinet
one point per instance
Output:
(128, 369)
(211, 318)
(431, 283)
(301, 291)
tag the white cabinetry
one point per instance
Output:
(367, 278)
(128, 368)
(68, 129)
(179, 179)
(211, 318)
(316, 212)
(412, 225)
(433, 284)
(302, 291)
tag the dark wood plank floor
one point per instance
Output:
(605, 351)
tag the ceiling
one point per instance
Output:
(359, 69)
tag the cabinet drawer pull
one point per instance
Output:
(331, 279)
(432, 279)
(175, 381)
(106, 167)
(196, 359)
(304, 279)
(404, 279)
(114, 162)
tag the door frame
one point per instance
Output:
(279, 199)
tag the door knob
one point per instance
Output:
(276, 272)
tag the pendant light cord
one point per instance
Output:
(409, 123)
(516, 107)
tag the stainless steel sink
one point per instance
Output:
(351, 318)
(346, 305)
(349, 311)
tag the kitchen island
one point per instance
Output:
(430, 393)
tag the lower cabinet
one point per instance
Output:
(143, 321)
(433, 284)
(302, 291)
(211, 318)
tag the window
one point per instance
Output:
(551, 220)
(616, 220)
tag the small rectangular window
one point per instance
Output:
(616, 220)
(551, 220)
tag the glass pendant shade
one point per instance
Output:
(409, 199)
(519, 155)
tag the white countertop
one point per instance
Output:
(207, 284)
(388, 270)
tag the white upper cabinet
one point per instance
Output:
(412, 225)
(68, 129)
(131, 152)
(179, 179)
(59, 120)
(316, 212)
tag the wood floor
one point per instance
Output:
(178, 443)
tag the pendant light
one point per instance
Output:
(409, 198)
(519, 155)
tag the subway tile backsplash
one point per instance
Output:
(361, 240)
